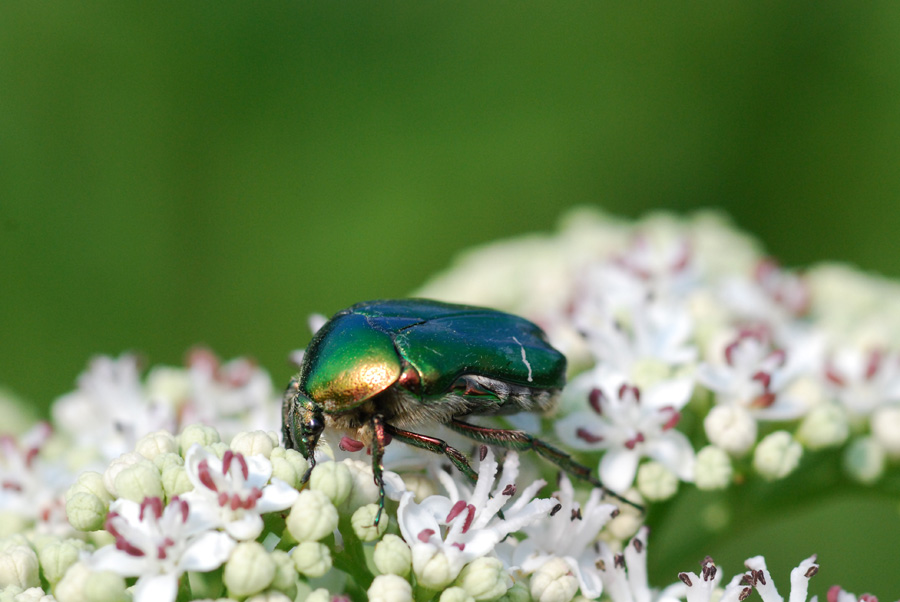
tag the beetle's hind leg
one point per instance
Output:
(435, 445)
(520, 440)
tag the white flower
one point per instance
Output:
(630, 424)
(459, 528)
(863, 380)
(110, 409)
(758, 576)
(704, 587)
(568, 533)
(158, 545)
(624, 575)
(236, 489)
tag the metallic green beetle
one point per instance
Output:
(381, 369)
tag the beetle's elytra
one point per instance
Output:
(383, 369)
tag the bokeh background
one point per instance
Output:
(179, 173)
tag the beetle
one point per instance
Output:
(382, 369)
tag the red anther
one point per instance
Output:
(764, 378)
(350, 445)
(462, 547)
(30, 456)
(874, 363)
(831, 374)
(424, 535)
(482, 452)
(183, 506)
(127, 547)
(455, 511)
(245, 470)
(625, 388)
(587, 436)
(832, 595)
(555, 509)
(638, 545)
(729, 351)
(779, 356)
(631, 443)
(154, 504)
(110, 525)
(595, 397)
(226, 461)
(685, 578)
(205, 477)
(11, 486)
(222, 499)
(619, 561)
(509, 490)
(763, 401)
(673, 419)
(469, 518)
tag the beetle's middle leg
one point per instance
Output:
(520, 440)
(435, 445)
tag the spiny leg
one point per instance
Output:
(520, 440)
(434, 445)
(378, 442)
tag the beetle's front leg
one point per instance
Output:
(379, 440)
(520, 440)
(435, 445)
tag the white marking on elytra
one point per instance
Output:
(524, 359)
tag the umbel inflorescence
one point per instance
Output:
(696, 363)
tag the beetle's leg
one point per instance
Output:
(520, 440)
(435, 445)
(378, 442)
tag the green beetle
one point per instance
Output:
(381, 369)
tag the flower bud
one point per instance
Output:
(553, 582)
(197, 433)
(285, 574)
(175, 481)
(139, 481)
(777, 455)
(333, 479)
(289, 465)
(249, 570)
(392, 556)
(312, 516)
(269, 596)
(864, 460)
(85, 511)
(154, 444)
(731, 428)
(484, 578)
(312, 558)
(19, 566)
(104, 586)
(56, 558)
(364, 490)
(11, 522)
(824, 426)
(713, 469)
(886, 429)
(432, 567)
(117, 466)
(655, 482)
(319, 595)
(456, 594)
(91, 482)
(390, 588)
(421, 486)
(517, 593)
(253, 443)
(363, 523)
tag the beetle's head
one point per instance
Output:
(304, 422)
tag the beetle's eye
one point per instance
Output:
(314, 424)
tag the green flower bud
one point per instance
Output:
(249, 570)
(19, 566)
(777, 455)
(270, 596)
(319, 595)
(312, 559)
(519, 592)
(363, 522)
(12, 522)
(218, 448)
(289, 465)
(117, 466)
(864, 460)
(553, 582)
(432, 568)
(175, 481)
(85, 511)
(364, 490)
(197, 433)
(285, 574)
(56, 558)
(886, 429)
(105, 586)
(713, 468)
(312, 516)
(14, 593)
(484, 578)
(90, 482)
(656, 482)
(390, 588)
(824, 426)
(333, 479)
(421, 486)
(154, 444)
(253, 443)
(139, 481)
(167, 460)
(392, 556)
(456, 594)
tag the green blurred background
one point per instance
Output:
(178, 173)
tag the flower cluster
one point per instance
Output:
(694, 359)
